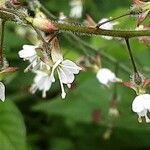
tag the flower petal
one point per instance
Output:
(146, 101)
(27, 51)
(56, 53)
(42, 81)
(105, 76)
(76, 8)
(66, 76)
(2, 91)
(71, 66)
(141, 104)
(137, 105)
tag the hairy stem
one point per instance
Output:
(96, 31)
(11, 15)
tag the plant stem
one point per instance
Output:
(110, 20)
(84, 30)
(11, 15)
(1, 43)
(131, 56)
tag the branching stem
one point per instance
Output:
(11, 15)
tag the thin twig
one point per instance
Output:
(131, 56)
(110, 20)
(1, 42)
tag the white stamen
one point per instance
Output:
(63, 94)
(28, 68)
(44, 94)
(139, 119)
(53, 69)
(69, 86)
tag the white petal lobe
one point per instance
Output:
(2, 91)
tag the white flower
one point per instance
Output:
(2, 91)
(42, 82)
(66, 70)
(106, 76)
(76, 9)
(29, 53)
(141, 105)
(107, 26)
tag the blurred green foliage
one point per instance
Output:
(28, 122)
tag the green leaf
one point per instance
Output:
(12, 129)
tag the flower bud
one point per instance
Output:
(43, 24)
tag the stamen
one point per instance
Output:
(28, 68)
(31, 63)
(33, 88)
(118, 80)
(44, 94)
(53, 69)
(140, 119)
(69, 86)
(63, 94)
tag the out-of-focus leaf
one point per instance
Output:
(12, 129)
(79, 106)
(61, 144)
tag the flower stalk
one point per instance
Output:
(113, 19)
(131, 56)
(136, 76)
